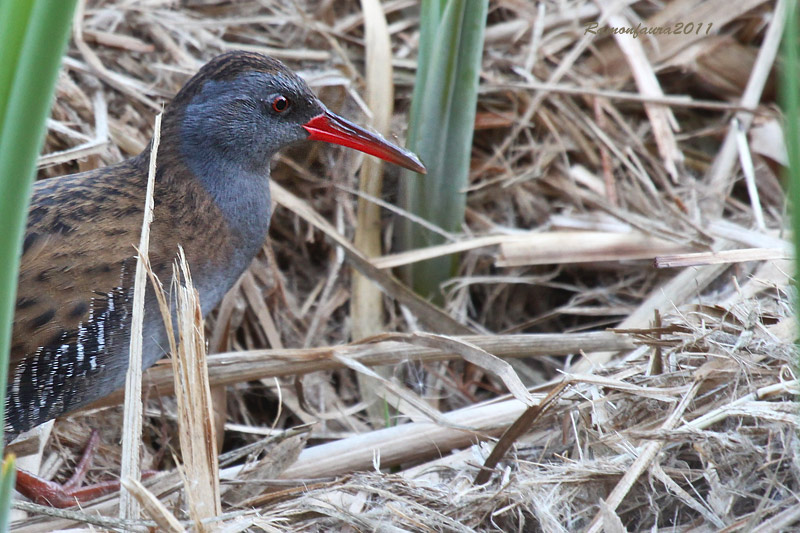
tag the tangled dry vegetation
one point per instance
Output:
(624, 251)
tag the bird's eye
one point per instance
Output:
(280, 104)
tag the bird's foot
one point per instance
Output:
(44, 492)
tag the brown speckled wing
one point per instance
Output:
(54, 296)
(72, 313)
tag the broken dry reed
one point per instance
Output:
(151, 505)
(199, 468)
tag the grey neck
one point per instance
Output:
(242, 196)
(226, 145)
(219, 161)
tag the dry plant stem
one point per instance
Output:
(237, 367)
(433, 317)
(395, 445)
(557, 247)
(130, 467)
(656, 365)
(661, 117)
(404, 400)
(520, 426)
(471, 353)
(196, 420)
(746, 162)
(124, 42)
(366, 300)
(253, 295)
(608, 176)
(645, 457)
(724, 229)
(719, 176)
(780, 522)
(730, 409)
(675, 292)
(439, 250)
(275, 460)
(91, 146)
(68, 518)
(165, 520)
(721, 257)
(348, 23)
(195, 412)
(685, 497)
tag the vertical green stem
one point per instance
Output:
(442, 123)
(790, 100)
(30, 62)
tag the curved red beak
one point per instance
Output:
(332, 128)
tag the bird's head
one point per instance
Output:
(243, 107)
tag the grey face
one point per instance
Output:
(241, 123)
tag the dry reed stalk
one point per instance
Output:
(165, 520)
(366, 299)
(556, 247)
(721, 257)
(413, 256)
(130, 468)
(661, 117)
(718, 174)
(238, 367)
(400, 444)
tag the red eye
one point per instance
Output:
(280, 104)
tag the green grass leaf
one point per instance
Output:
(8, 476)
(34, 35)
(790, 101)
(441, 129)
